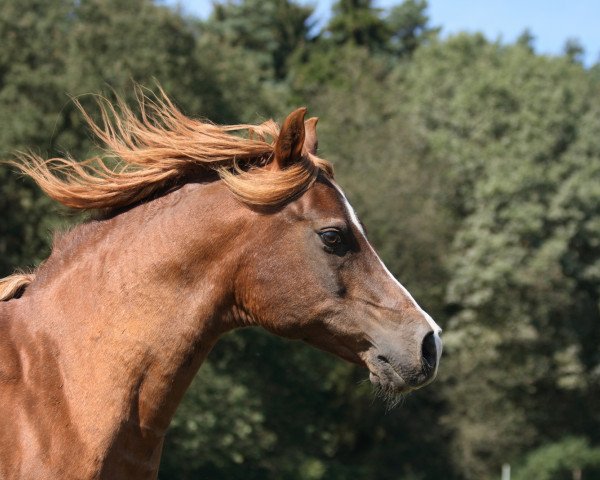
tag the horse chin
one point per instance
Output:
(388, 384)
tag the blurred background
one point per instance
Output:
(469, 146)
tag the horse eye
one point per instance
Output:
(331, 238)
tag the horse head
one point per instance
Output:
(317, 278)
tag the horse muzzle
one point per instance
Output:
(395, 368)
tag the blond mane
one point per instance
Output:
(159, 149)
(163, 147)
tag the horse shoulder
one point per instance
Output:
(35, 426)
(10, 364)
(11, 392)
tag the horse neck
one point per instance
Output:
(134, 307)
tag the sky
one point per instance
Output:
(551, 22)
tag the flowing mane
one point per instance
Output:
(162, 148)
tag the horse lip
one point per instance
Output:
(379, 373)
(386, 364)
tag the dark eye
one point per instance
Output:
(331, 238)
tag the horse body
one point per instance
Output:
(99, 349)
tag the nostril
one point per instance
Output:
(429, 350)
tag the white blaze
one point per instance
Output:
(350, 210)
(434, 326)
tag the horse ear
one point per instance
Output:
(288, 148)
(311, 142)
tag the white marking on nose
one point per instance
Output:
(434, 326)
(438, 349)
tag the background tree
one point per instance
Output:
(525, 339)
(357, 22)
(570, 457)
(269, 30)
(408, 27)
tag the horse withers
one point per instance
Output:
(202, 230)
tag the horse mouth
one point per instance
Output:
(391, 383)
(386, 379)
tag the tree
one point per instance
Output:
(408, 25)
(570, 455)
(358, 22)
(526, 39)
(510, 126)
(574, 51)
(268, 30)
(33, 59)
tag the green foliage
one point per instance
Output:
(408, 26)
(397, 32)
(475, 166)
(357, 22)
(269, 30)
(515, 132)
(574, 50)
(569, 458)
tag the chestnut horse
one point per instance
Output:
(203, 230)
